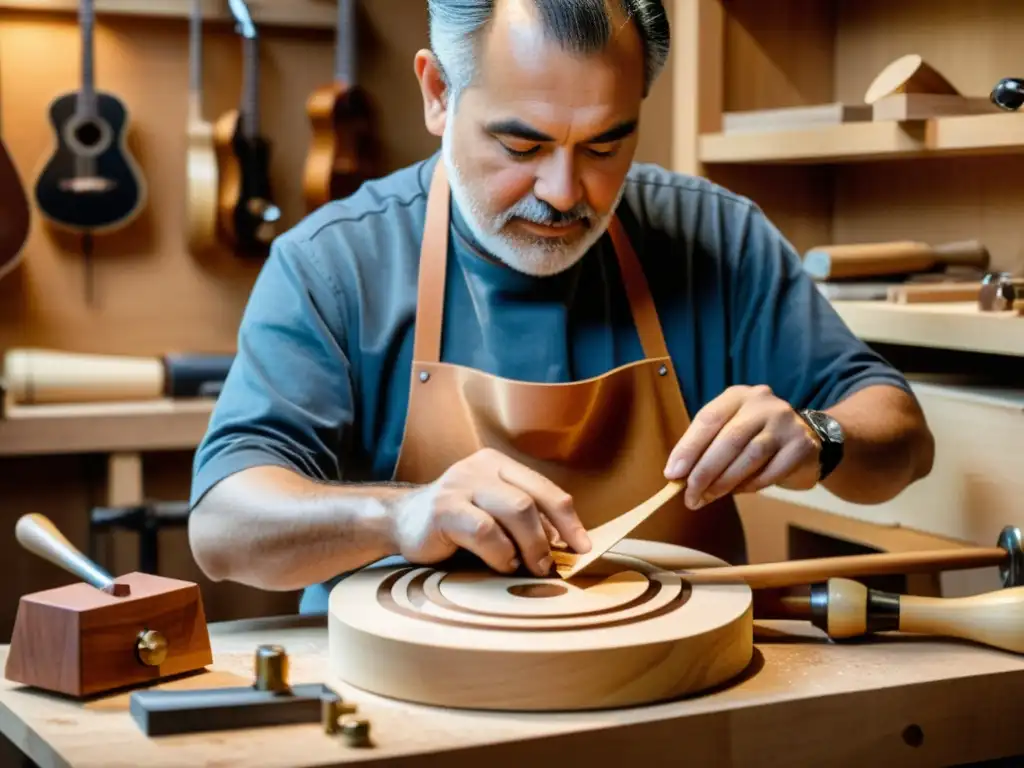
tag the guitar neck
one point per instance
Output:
(87, 93)
(195, 88)
(251, 88)
(345, 45)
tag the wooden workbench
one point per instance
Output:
(805, 701)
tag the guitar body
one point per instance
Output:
(344, 151)
(16, 215)
(91, 181)
(245, 211)
(201, 199)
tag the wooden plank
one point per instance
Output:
(158, 425)
(697, 72)
(944, 325)
(794, 118)
(890, 702)
(959, 136)
(313, 14)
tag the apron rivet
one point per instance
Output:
(424, 375)
(662, 371)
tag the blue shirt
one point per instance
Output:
(320, 380)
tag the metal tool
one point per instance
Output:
(270, 700)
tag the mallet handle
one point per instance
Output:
(40, 536)
(792, 573)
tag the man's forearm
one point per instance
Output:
(888, 445)
(271, 528)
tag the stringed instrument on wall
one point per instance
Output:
(201, 177)
(91, 182)
(344, 151)
(247, 214)
(15, 214)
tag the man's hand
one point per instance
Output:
(492, 506)
(744, 440)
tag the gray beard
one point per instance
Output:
(531, 255)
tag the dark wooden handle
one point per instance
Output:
(37, 534)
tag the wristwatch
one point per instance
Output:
(830, 433)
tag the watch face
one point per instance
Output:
(826, 424)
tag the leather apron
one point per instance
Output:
(604, 440)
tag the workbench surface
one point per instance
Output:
(804, 701)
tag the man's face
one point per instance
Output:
(538, 147)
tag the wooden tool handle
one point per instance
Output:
(49, 376)
(793, 573)
(832, 262)
(37, 534)
(844, 609)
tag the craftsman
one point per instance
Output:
(504, 344)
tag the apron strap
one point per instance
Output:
(434, 263)
(645, 314)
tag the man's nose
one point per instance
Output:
(557, 183)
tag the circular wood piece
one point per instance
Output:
(622, 633)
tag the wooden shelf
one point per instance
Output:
(159, 425)
(955, 325)
(853, 142)
(310, 14)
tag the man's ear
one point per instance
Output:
(434, 90)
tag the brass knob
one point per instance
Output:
(151, 648)
(271, 669)
(356, 732)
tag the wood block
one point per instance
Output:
(923, 106)
(79, 640)
(794, 118)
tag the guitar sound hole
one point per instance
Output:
(88, 134)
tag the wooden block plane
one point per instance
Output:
(106, 633)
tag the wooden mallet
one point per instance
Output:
(102, 633)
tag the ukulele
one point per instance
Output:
(247, 214)
(91, 182)
(344, 151)
(201, 159)
(15, 215)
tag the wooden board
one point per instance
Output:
(803, 702)
(945, 325)
(618, 634)
(310, 14)
(794, 118)
(157, 425)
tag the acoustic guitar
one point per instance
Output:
(247, 214)
(15, 214)
(91, 182)
(201, 158)
(344, 151)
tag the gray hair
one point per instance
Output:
(579, 26)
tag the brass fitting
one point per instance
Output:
(332, 711)
(271, 669)
(151, 647)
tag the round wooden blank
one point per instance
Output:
(622, 633)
